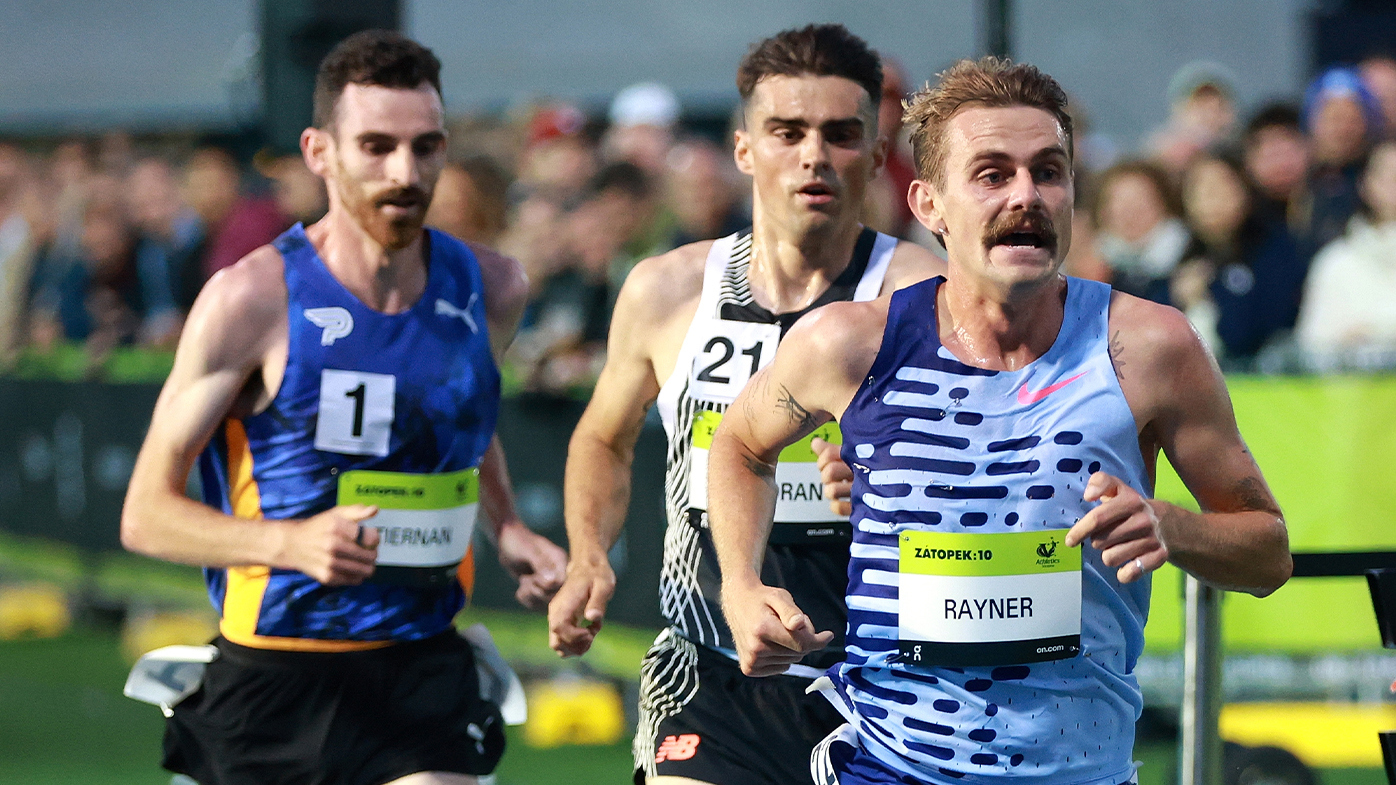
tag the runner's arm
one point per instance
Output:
(1239, 541)
(910, 264)
(599, 457)
(811, 379)
(236, 325)
(530, 558)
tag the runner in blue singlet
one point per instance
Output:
(341, 385)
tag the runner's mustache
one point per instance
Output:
(410, 195)
(1034, 223)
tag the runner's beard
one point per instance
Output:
(393, 231)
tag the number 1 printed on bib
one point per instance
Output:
(356, 412)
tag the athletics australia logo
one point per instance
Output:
(1046, 551)
(335, 322)
(444, 308)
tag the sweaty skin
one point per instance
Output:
(380, 164)
(1007, 172)
(810, 147)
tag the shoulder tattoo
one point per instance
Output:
(1117, 348)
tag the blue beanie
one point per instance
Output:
(1342, 82)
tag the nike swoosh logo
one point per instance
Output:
(1027, 398)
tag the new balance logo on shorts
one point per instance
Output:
(679, 747)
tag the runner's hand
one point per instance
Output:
(1124, 528)
(332, 547)
(837, 477)
(769, 629)
(576, 613)
(532, 560)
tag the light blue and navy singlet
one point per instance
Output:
(940, 446)
(413, 393)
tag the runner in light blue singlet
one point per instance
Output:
(994, 451)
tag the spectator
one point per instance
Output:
(1350, 299)
(299, 194)
(1342, 118)
(235, 224)
(701, 193)
(92, 296)
(886, 207)
(1083, 259)
(1243, 276)
(1379, 75)
(1203, 114)
(1277, 157)
(1140, 234)
(472, 201)
(17, 249)
(561, 346)
(170, 236)
(642, 117)
(557, 159)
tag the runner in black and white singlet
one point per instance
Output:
(689, 329)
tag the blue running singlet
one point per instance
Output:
(949, 462)
(389, 409)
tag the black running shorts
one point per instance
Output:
(701, 718)
(354, 718)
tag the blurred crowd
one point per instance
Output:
(1273, 229)
(104, 242)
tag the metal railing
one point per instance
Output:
(1200, 745)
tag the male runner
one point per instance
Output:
(689, 329)
(993, 420)
(341, 384)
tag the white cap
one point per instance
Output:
(646, 103)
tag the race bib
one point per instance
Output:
(802, 513)
(734, 353)
(356, 412)
(424, 521)
(988, 599)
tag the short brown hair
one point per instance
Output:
(988, 81)
(1155, 174)
(372, 57)
(816, 50)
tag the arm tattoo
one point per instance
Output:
(796, 412)
(1116, 349)
(749, 406)
(1253, 496)
(756, 467)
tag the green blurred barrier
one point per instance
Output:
(1327, 446)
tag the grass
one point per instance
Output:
(65, 722)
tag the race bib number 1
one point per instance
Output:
(356, 412)
(988, 599)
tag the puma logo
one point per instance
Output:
(444, 308)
